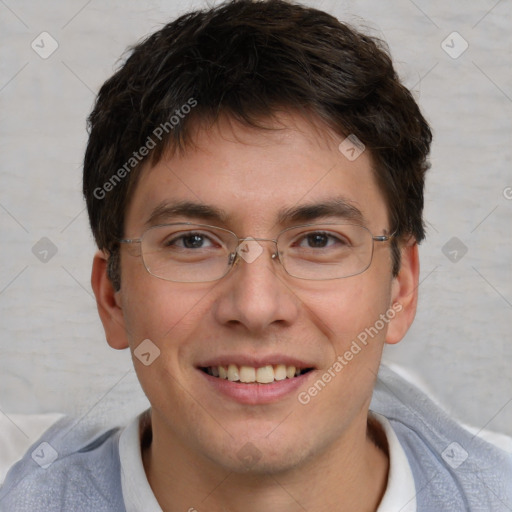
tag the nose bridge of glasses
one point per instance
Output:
(251, 238)
(251, 245)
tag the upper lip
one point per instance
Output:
(255, 361)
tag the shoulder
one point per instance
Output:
(71, 467)
(453, 469)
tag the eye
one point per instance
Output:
(189, 241)
(320, 240)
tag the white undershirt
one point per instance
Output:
(400, 495)
(137, 493)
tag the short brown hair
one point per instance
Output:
(248, 59)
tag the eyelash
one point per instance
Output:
(331, 237)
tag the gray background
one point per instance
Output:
(53, 356)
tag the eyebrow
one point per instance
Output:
(336, 207)
(168, 210)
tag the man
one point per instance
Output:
(254, 181)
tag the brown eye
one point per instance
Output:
(189, 241)
(320, 240)
(317, 240)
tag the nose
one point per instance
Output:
(255, 293)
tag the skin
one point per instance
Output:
(312, 457)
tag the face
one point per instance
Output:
(256, 184)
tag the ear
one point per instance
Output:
(109, 303)
(404, 293)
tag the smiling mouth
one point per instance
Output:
(250, 375)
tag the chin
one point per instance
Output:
(260, 455)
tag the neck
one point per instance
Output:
(350, 476)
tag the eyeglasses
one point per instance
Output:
(197, 253)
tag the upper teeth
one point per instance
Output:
(263, 375)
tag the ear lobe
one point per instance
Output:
(109, 303)
(404, 293)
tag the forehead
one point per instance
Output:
(249, 178)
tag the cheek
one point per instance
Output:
(351, 309)
(169, 315)
(349, 314)
(162, 311)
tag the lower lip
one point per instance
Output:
(255, 393)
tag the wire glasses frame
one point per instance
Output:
(176, 252)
